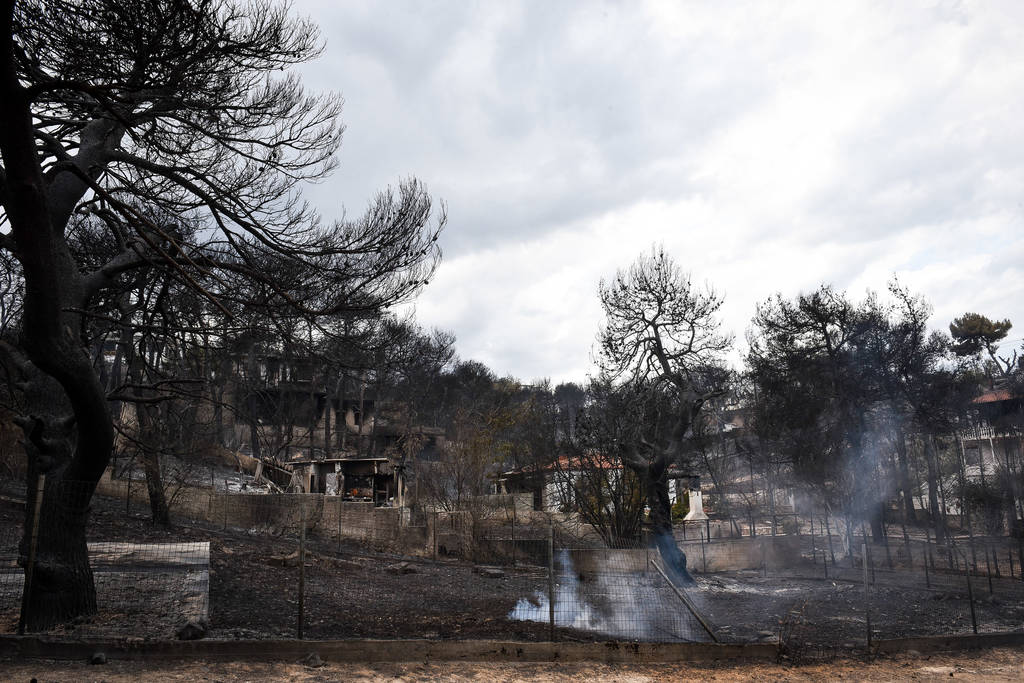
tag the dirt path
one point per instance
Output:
(1003, 664)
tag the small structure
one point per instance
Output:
(374, 480)
(696, 513)
(553, 484)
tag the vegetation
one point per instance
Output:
(165, 291)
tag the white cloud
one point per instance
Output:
(769, 148)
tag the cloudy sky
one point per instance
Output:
(770, 146)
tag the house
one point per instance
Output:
(555, 484)
(993, 439)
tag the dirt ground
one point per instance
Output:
(1001, 664)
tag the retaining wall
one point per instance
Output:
(330, 517)
(741, 553)
(327, 516)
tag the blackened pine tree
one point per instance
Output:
(929, 386)
(663, 339)
(815, 393)
(130, 114)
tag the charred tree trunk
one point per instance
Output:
(360, 440)
(37, 212)
(151, 465)
(934, 510)
(877, 516)
(327, 420)
(62, 583)
(342, 416)
(254, 428)
(904, 474)
(147, 435)
(218, 418)
(661, 528)
(252, 401)
(655, 482)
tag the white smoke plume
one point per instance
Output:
(628, 605)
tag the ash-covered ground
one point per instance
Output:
(352, 592)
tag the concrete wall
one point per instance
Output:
(592, 562)
(742, 553)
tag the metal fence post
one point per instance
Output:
(513, 531)
(551, 579)
(828, 532)
(31, 564)
(970, 594)
(814, 550)
(302, 565)
(927, 577)
(867, 592)
(988, 569)
(435, 533)
(871, 564)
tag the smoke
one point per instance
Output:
(622, 604)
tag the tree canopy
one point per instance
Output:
(170, 135)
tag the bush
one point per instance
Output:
(681, 507)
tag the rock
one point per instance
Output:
(192, 630)
(313, 660)
(284, 560)
(402, 568)
(98, 658)
(490, 572)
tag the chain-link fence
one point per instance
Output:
(274, 565)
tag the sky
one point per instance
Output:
(770, 147)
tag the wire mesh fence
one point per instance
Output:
(276, 565)
(56, 575)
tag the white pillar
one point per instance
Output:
(696, 512)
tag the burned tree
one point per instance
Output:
(591, 478)
(844, 389)
(130, 114)
(662, 338)
(817, 383)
